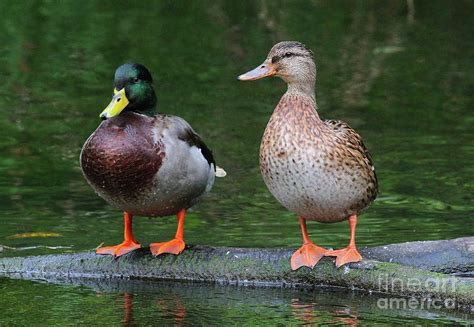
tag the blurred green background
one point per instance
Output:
(401, 75)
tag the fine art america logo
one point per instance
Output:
(442, 286)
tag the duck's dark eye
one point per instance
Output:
(288, 54)
(136, 80)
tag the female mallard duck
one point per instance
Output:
(145, 163)
(319, 169)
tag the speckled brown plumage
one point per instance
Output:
(318, 169)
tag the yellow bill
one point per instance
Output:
(116, 106)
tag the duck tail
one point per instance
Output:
(220, 172)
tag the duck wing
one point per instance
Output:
(352, 141)
(186, 133)
(350, 137)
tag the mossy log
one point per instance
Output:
(438, 270)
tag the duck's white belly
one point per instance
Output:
(184, 177)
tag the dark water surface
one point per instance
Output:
(404, 83)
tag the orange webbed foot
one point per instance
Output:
(175, 246)
(119, 250)
(346, 255)
(307, 255)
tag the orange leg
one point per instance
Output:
(349, 253)
(128, 309)
(176, 245)
(309, 253)
(129, 243)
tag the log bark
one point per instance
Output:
(438, 270)
(454, 256)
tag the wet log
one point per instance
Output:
(454, 256)
(435, 270)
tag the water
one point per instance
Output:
(405, 87)
(159, 303)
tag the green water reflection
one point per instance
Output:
(134, 303)
(405, 86)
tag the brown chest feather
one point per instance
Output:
(121, 158)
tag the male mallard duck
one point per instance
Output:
(319, 169)
(145, 163)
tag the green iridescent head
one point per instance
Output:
(133, 91)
